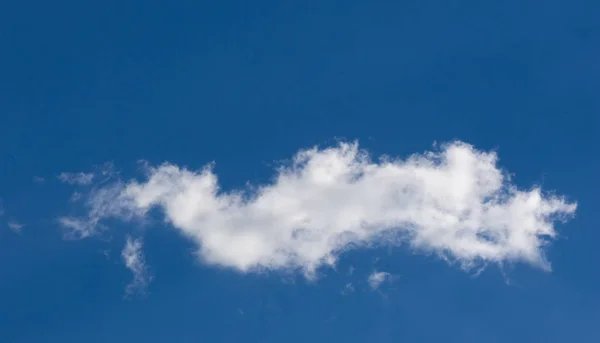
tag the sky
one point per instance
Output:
(294, 171)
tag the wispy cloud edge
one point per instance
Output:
(133, 258)
(76, 178)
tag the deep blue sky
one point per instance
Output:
(248, 83)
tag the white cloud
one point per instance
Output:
(455, 203)
(377, 278)
(76, 178)
(134, 260)
(15, 226)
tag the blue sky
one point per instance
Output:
(149, 190)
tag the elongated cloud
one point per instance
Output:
(76, 178)
(455, 203)
(134, 260)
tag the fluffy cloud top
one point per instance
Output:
(134, 261)
(454, 202)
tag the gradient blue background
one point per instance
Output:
(245, 83)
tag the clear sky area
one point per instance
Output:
(299, 171)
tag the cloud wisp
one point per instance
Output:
(454, 202)
(15, 226)
(377, 278)
(348, 288)
(76, 178)
(134, 260)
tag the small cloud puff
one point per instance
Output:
(76, 178)
(134, 260)
(348, 288)
(15, 226)
(455, 203)
(377, 278)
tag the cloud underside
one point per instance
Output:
(454, 202)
